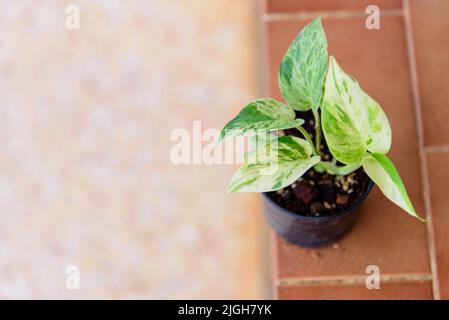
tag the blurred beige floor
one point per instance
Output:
(84, 150)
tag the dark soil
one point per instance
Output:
(320, 194)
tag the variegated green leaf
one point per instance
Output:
(352, 121)
(303, 69)
(262, 114)
(275, 164)
(383, 172)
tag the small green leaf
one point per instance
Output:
(383, 172)
(352, 121)
(303, 69)
(262, 114)
(275, 164)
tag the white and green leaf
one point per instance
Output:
(383, 172)
(276, 163)
(262, 114)
(303, 68)
(352, 121)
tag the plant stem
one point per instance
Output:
(328, 166)
(333, 169)
(316, 115)
(308, 138)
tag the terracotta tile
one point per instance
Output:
(439, 184)
(387, 291)
(384, 235)
(321, 5)
(430, 24)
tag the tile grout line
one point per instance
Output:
(264, 48)
(275, 254)
(436, 149)
(267, 17)
(422, 152)
(348, 280)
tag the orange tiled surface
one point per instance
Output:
(399, 66)
(402, 290)
(430, 25)
(438, 164)
(283, 6)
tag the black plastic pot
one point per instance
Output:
(307, 231)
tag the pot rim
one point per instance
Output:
(348, 210)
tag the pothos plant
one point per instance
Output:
(354, 126)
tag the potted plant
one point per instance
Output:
(316, 156)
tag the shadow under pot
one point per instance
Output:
(310, 231)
